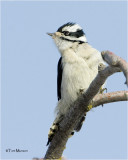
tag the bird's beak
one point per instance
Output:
(51, 34)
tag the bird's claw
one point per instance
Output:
(102, 90)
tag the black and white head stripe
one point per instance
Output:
(70, 40)
(69, 24)
(72, 32)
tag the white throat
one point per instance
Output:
(63, 45)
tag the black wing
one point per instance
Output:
(59, 78)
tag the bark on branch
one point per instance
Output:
(115, 60)
(101, 99)
(80, 106)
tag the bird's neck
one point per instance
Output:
(69, 55)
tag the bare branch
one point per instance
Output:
(110, 97)
(80, 106)
(117, 61)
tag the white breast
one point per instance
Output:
(79, 69)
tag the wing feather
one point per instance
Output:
(59, 78)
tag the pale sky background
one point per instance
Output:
(29, 70)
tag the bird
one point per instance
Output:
(76, 69)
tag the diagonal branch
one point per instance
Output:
(80, 106)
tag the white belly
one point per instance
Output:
(76, 76)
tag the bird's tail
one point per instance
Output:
(54, 128)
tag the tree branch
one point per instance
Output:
(110, 97)
(80, 106)
(115, 60)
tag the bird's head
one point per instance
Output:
(67, 35)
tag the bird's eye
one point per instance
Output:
(66, 33)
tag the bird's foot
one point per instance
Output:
(90, 106)
(102, 90)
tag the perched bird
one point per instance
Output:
(77, 67)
